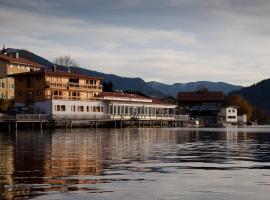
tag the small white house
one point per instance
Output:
(228, 115)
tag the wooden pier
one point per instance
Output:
(12, 122)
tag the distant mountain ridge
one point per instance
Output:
(258, 94)
(135, 84)
(173, 89)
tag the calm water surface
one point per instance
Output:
(136, 164)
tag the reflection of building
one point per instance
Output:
(12, 65)
(203, 105)
(6, 167)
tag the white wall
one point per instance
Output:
(231, 114)
(69, 104)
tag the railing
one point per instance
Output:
(73, 85)
(152, 117)
(50, 97)
(40, 117)
(81, 116)
(121, 117)
(26, 117)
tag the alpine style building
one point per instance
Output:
(10, 64)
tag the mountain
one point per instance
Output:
(172, 90)
(258, 94)
(30, 56)
(122, 83)
(119, 83)
(135, 84)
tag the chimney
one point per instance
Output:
(4, 48)
(54, 68)
(17, 55)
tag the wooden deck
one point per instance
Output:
(68, 121)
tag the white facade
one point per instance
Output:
(68, 107)
(228, 115)
(128, 106)
(242, 119)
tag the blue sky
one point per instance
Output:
(162, 40)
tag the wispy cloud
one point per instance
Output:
(169, 41)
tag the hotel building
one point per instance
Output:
(68, 95)
(123, 105)
(57, 92)
(12, 65)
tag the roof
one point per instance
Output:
(131, 98)
(18, 60)
(55, 73)
(142, 102)
(122, 95)
(200, 96)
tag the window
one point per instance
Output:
(20, 93)
(3, 85)
(233, 110)
(73, 108)
(80, 108)
(63, 108)
(231, 117)
(87, 109)
(38, 92)
(28, 82)
(229, 110)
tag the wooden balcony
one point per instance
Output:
(59, 97)
(75, 86)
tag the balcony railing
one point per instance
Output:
(73, 86)
(50, 97)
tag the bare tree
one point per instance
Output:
(66, 61)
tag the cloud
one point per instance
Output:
(170, 41)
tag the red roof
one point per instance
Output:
(121, 94)
(200, 96)
(18, 60)
(133, 96)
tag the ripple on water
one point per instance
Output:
(135, 163)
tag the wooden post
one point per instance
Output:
(16, 126)
(9, 127)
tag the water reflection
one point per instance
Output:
(96, 162)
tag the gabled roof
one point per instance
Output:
(122, 95)
(127, 97)
(200, 96)
(18, 60)
(55, 73)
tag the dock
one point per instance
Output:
(12, 122)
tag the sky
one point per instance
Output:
(158, 40)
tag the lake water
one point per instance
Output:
(205, 164)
